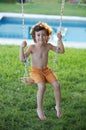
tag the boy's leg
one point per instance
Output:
(57, 94)
(40, 94)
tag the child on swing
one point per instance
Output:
(40, 73)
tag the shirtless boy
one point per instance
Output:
(40, 73)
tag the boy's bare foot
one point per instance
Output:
(27, 80)
(41, 115)
(59, 113)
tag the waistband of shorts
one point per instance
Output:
(35, 68)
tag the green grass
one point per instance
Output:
(45, 7)
(18, 101)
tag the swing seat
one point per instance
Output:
(27, 80)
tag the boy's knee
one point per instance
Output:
(42, 88)
(56, 85)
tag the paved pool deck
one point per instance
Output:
(5, 41)
(18, 42)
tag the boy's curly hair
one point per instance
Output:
(41, 26)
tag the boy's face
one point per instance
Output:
(41, 37)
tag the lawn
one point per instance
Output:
(18, 101)
(44, 7)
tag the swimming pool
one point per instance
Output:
(11, 27)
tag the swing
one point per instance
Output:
(27, 80)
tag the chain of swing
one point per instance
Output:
(60, 29)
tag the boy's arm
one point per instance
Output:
(22, 55)
(60, 47)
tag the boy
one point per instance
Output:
(40, 73)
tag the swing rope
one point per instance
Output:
(26, 67)
(24, 36)
(61, 14)
(25, 79)
(62, 10)
(23, 22)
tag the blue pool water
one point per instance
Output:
(11, 27)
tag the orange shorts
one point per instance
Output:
(42, 75)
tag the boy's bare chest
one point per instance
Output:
(40, 52)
